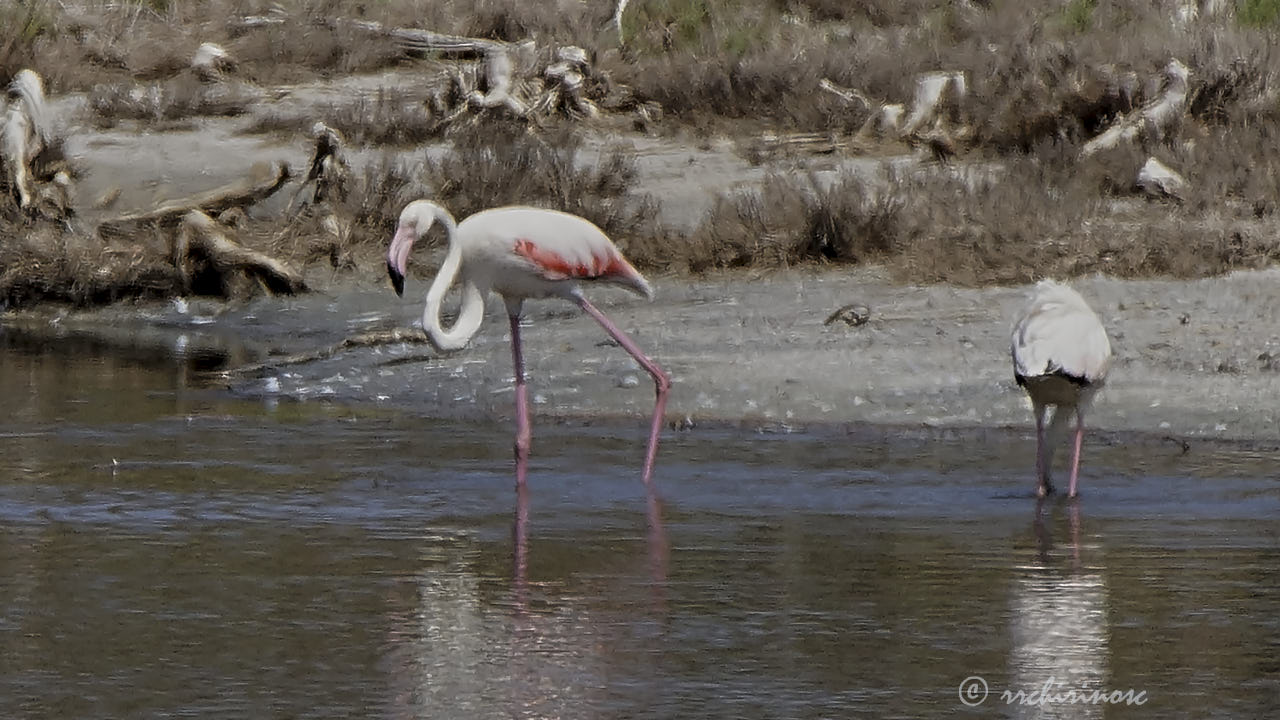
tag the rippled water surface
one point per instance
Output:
(169, 550)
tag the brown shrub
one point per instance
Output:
(45, 263)
(796, 221)
(176, 99)
(502, 163)
(389, 117)
(1031, 217)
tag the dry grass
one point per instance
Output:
(502, 163)
(167, 102)
(1029, 219)
(390, 117)
(46, 264)
(1043, 77)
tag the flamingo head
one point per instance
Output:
(416, 218)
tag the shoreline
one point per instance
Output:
(1192, 359)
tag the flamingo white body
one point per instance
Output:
(521, 252)
(1061, 355)
(27, 130)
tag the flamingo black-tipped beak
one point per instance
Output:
(397, 279)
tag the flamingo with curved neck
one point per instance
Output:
(522, 252)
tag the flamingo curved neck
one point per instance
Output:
(471, 313)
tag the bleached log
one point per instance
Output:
(53, 199)
(263, 181)
(328, 169)
(814, 143)
(884, 122)
(1154, 120)
(570, 85)
(618, 9)
(210, 61)
(199, 235)
(573, 55)
(16, 153)
(28, 130)
(936, 93)
(849, 95)
(425, 41)
(499, 74)
(409, 40)
(1159, 181)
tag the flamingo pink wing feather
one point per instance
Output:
(601, 262)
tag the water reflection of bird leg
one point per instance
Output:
(1044, 539)
(520, 538)
(1073, 517)
(658, 548)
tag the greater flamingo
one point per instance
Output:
(1060, 357)
(521, 252)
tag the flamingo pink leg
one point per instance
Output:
(661, 381)
(524, 435)
(524, 439)
(1075, 458)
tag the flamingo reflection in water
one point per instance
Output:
(537, 651)
(1059, 626)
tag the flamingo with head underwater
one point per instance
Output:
(521, 252)
(1061, 355)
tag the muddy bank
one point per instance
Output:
(1193, 359)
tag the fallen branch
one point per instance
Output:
(849, 95)
(328, 169)
(1159, 181)
(263, 181)
(27, 131)
(938, 94)
(1156, 120)
(199, 236)
(394, 336)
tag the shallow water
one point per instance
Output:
(170, 550)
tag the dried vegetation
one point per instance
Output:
(1017, 196)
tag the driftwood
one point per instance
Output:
(1159, 181)
(1155, 120)
(394, 336)
(210, 61)
(200, 237)
(27, 132)
(813, 143)
(1189, 11)
(263, 181)
(506, 76)
(409, 40)
(849, 95)
(940, 97)
(328, 173)
(499, 74)
(618, 9)
(886, 121)
(329, 176)
(565, 86)
(935, 121)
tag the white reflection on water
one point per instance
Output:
(1059, 627)
(529, 651)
